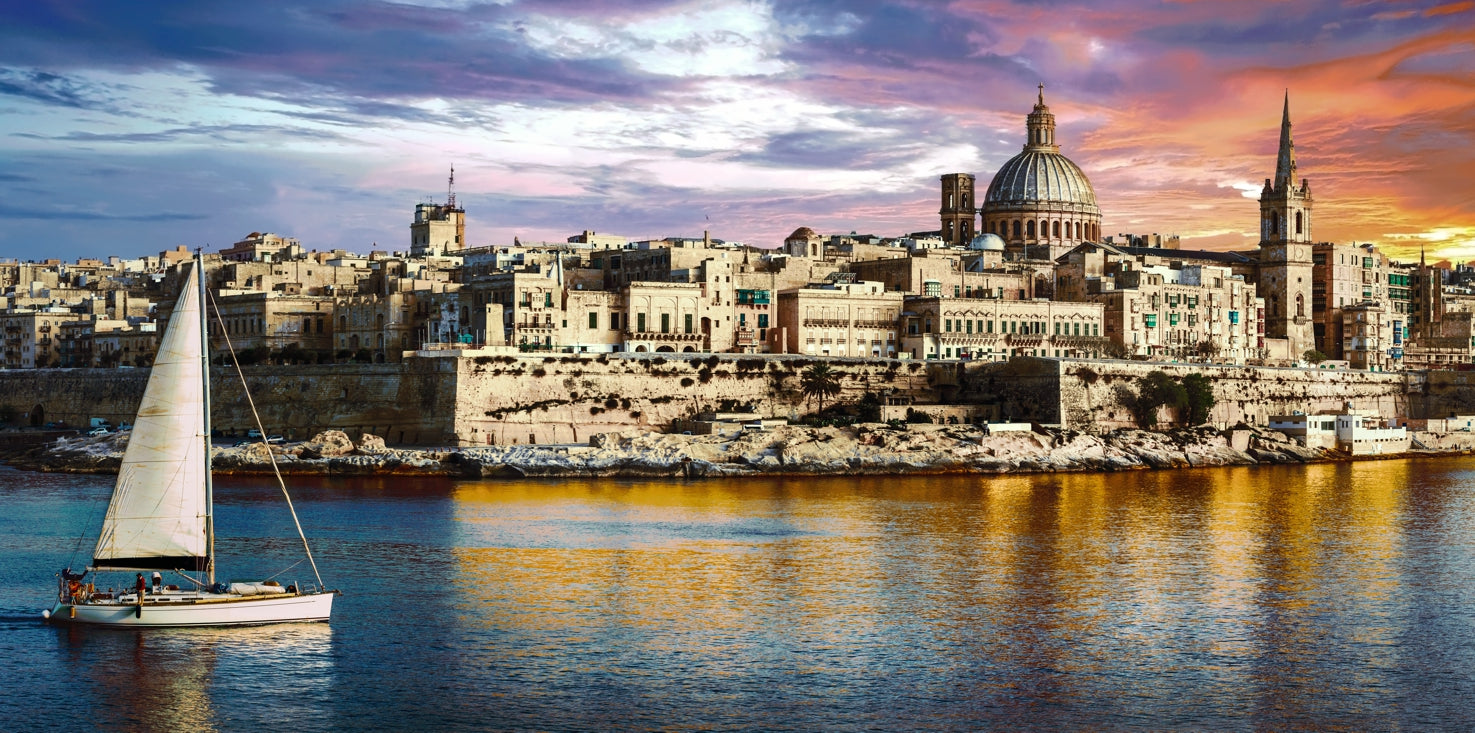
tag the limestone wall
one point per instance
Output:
(411, 403)
(567, 398)
(1092, 391)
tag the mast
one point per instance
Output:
(205, 378)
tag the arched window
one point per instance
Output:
(1298, 222)
(1055, 229)
(1078, 230)
(1029, 229)
(1300, 303)
(1016, 229)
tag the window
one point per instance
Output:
(969, 326)
(763, 320)
(593, 319)
(687, 324)
(742, 320)
(665, 323)
(640, 322)
(1029, 229)
(548, 300)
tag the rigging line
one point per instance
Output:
(262, 429)
(283, 570)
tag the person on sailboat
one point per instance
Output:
(158, 582)
(141, 586)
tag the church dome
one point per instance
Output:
(1039, 176)
(1040, 202)
(987, 242)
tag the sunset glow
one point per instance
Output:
(127, 132)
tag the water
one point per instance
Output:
(1332, 596)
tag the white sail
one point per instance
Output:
(158, 512)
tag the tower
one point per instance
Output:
(439, 228)
(958, 214)
(1285, 248)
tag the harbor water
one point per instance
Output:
(1326, 596)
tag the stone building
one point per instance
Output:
(31, 336)
(385, 326)
(945, 273)
(1040, 202)
(843, 317)
(995, 330)
(262, 247)
(273, 321)
(1353, 276)
(439, 229)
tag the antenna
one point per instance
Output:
(451, 190)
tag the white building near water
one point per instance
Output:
(1353, 432)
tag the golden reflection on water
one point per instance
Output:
(1213, 575)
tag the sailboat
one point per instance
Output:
(161, 518)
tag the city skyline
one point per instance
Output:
(128, 132)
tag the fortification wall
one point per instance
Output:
(410, 403)
(1095, 392)
(567, 398)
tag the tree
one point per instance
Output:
(1200, 394)
(819, 381)
(1207, 349)
(1156, 389)
(1313, 356)
(1116, 350)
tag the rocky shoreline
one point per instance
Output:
(869, 449)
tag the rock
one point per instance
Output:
(329, 443)
(371, 444)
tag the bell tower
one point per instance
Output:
(1285, 248)
(958, 213)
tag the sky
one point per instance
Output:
(131, 128)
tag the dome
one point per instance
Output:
(988, 242)
(1035, 177)
(802, 233)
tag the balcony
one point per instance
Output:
(878, 325)
(747, 337)
(825, 323)
(658, 336)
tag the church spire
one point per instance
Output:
(1285, 163)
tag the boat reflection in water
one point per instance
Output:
(170, 679)
(1326, 596)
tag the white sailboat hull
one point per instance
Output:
(200, 610)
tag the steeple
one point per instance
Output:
(1285, 163)
(1041, 128)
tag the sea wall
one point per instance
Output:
(508, 400)
(1096, 393)
(411, 403)
(568, 398)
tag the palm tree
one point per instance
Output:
(820, 381)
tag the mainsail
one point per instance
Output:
(156, 519)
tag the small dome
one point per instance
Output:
(1036, 176)
(802, 233)
(987, 242)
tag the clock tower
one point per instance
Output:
(1285, 248)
